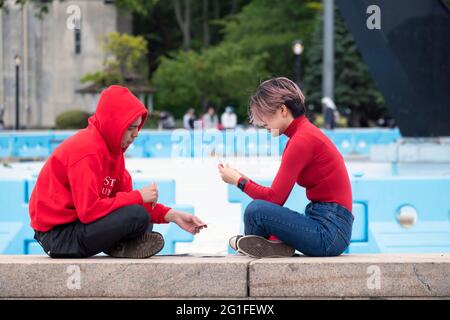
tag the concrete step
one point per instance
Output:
(375, 275)
(347, 276)
(157, 277)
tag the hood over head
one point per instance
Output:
(116, 110)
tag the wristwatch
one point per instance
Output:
(241, 183)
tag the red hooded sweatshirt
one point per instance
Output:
(85, 177)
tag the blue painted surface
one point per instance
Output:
(31, 145)
(16, 235)
(376, 202)
(157, 145)
(172, 232)
(166, 188)
(183, 143)
(13, 193)
(6, 145)
(136, 150)
(17, 232)
(358, 141)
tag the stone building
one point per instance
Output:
(55, 52)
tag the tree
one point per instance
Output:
(41, 7)
(217, 75)
(183, 16)
(270, 26)
(354, 87)
(141, 7)
(160, 28)
(124, 60)
(206, 33)
(257, 45)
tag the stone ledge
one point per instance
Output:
(235, 277)
(377, 275)
(157, 277)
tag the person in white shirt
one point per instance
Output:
(228, 118)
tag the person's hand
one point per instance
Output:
(243, 175)
(150, 193)
(187, 222)
(229, 175)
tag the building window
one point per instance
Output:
(78, 39)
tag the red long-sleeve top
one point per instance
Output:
(311, 160)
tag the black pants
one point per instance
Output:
(78, 240)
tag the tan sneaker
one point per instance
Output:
(233, 241)
(144, 246)
(259, 247)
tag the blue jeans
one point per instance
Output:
(324, 230)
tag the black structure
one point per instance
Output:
(409, 59)
(17, 63)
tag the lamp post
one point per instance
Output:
(297, 48)
(17, 63)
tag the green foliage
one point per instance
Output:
(72, 119)
(127, 50)
(218, 75)
(103, 78)
(257, 45)
(270, 26)
(160, 28)
(125, 58)
(141, 7)
(354, 86)
(41, 7)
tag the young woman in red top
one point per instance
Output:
(311, 160)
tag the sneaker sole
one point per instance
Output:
(142, 247)
(259, 247)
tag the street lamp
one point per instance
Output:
(17, 63)
(297, 48)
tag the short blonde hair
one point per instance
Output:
(273, 93)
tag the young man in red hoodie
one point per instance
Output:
(83, 202)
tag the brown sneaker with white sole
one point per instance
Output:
(144, 246)
(259, 247)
